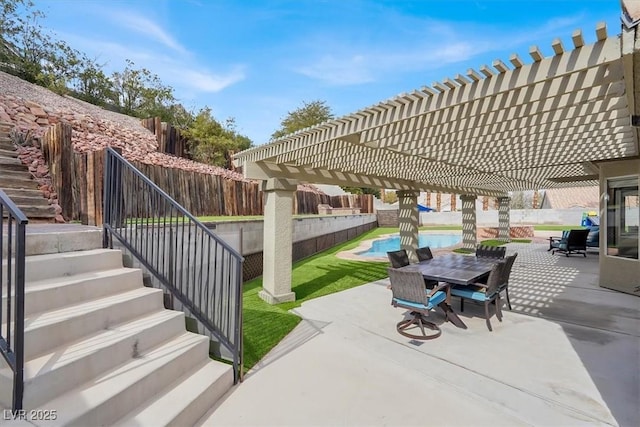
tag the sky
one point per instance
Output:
(257, 60)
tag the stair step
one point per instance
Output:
(121, 390)
(51, 294)
(42, 267)
(5, 152)
(60, 238)
(8, 146)
(33, 212)
(30, 200)
(7, 181)
(22, 192)
(45, 331)
(17, 174)
(71, 365)
(11, 163)
(184, 402)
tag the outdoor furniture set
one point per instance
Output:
(431, 282)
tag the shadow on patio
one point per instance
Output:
(566, 355)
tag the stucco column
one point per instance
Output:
(504, 219)
(278, 239)
(469, 233)
(408, 222)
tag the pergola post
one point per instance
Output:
(469, 233)
(408, 222)
(504, 219)
(278, 239)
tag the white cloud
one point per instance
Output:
(336, 71)
(432, 44)
(146, 27)
(206, 81)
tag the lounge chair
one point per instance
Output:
(408, 291)
(593, 238)
(573, 242)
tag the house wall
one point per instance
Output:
(621, 274)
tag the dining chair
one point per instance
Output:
(407, 287)
(424, 254)
(483, 292)
(398, 258)
(504, 286)
(497, 252)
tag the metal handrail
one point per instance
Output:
(194, 265)
(12, 336)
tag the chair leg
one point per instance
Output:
(486, 313)
(498, 308)
(461, 304)
(506, 292)
(417, 320)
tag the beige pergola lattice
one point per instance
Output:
(503, 128)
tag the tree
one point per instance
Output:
(310, 114)
(31, 53)
(141, 93)
(91, 84)
(211, 142)
(362, 190)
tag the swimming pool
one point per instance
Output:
(379, 248)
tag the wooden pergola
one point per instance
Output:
(518, 125)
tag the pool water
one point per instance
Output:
(379, 248)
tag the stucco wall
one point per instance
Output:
(303, 229)
(517, 217)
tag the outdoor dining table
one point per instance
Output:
(456, 270)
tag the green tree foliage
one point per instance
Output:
(30, 52)
(91, 84)
(211, 142)
(310, 114)
(141, 93)
(363, 190)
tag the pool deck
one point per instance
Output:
(567, 355)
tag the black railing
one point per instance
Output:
(195, 266)
(12, 245)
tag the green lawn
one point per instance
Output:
(322, 274)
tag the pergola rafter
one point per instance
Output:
(507, 126)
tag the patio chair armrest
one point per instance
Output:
(481, 285)
(441, 286)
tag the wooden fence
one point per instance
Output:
(169, 138)
(78, 180)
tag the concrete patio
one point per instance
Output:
(568, 354)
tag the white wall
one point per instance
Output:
(303, 229)
(517, 217)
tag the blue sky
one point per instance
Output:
(257, 60)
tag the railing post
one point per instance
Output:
(19, 334)
(106, 202)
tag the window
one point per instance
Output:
(623, 217)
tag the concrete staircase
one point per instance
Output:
(18, 183)
(100, 347)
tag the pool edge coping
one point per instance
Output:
(352, 255)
